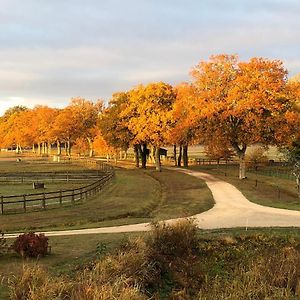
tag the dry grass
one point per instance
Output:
(175, 262)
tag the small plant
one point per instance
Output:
(4, 248)
(31, 245)
(101, 249)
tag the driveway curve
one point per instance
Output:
(231, 209)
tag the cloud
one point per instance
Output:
(54, 50)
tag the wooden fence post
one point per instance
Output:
(44, 201)
(24, 203)
(2, 206)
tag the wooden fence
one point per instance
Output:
(42, 200)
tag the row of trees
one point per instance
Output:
(229, 105)
(42, 127)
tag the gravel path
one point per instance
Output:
(231, 209)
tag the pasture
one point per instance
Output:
(135, 196)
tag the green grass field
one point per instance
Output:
(133, 196)
(10, 188)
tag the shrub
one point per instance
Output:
(31, 245)
(174, 240)
(174, 248)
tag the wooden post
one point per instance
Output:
(24, 203)
(44, 201)
(60, 197)
(2, 206)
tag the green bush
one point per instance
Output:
(31, 245)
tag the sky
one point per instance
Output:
(53, 50)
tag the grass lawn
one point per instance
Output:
(26, 188)
(37, 166)
(133, 196)
(270, 189)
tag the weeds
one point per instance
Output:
(173, 262)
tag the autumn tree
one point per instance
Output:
(12, 128)
(244, 102)
(183, 131)
(150, 108)
(114, 126)
(86, 114)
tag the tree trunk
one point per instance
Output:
(157, 159)
(179, 156)
(91, 151)
(69, 148)
(49, 148)
(185, 156)
(143, 153)
(33, 148)
(136, 155)
(175, 155)
(241, 155)
(39, 149)
(58, 147)
(125, 154)
(43, 148)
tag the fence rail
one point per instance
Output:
(42, 200)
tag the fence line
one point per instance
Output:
(37, 201)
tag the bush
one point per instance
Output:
(31, 245)
(174, 240)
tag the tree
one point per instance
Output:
(244, 102)
(114, 126)
(184, 128)
(86, 114)
(13, 126)
(150, 108)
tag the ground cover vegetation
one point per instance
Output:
(171, 262)
(228, 106)
(132, 196)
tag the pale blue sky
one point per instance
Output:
(52, 50)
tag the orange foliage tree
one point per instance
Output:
(184, 128)
(114, 126)
(150, 111)
(244, 102)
